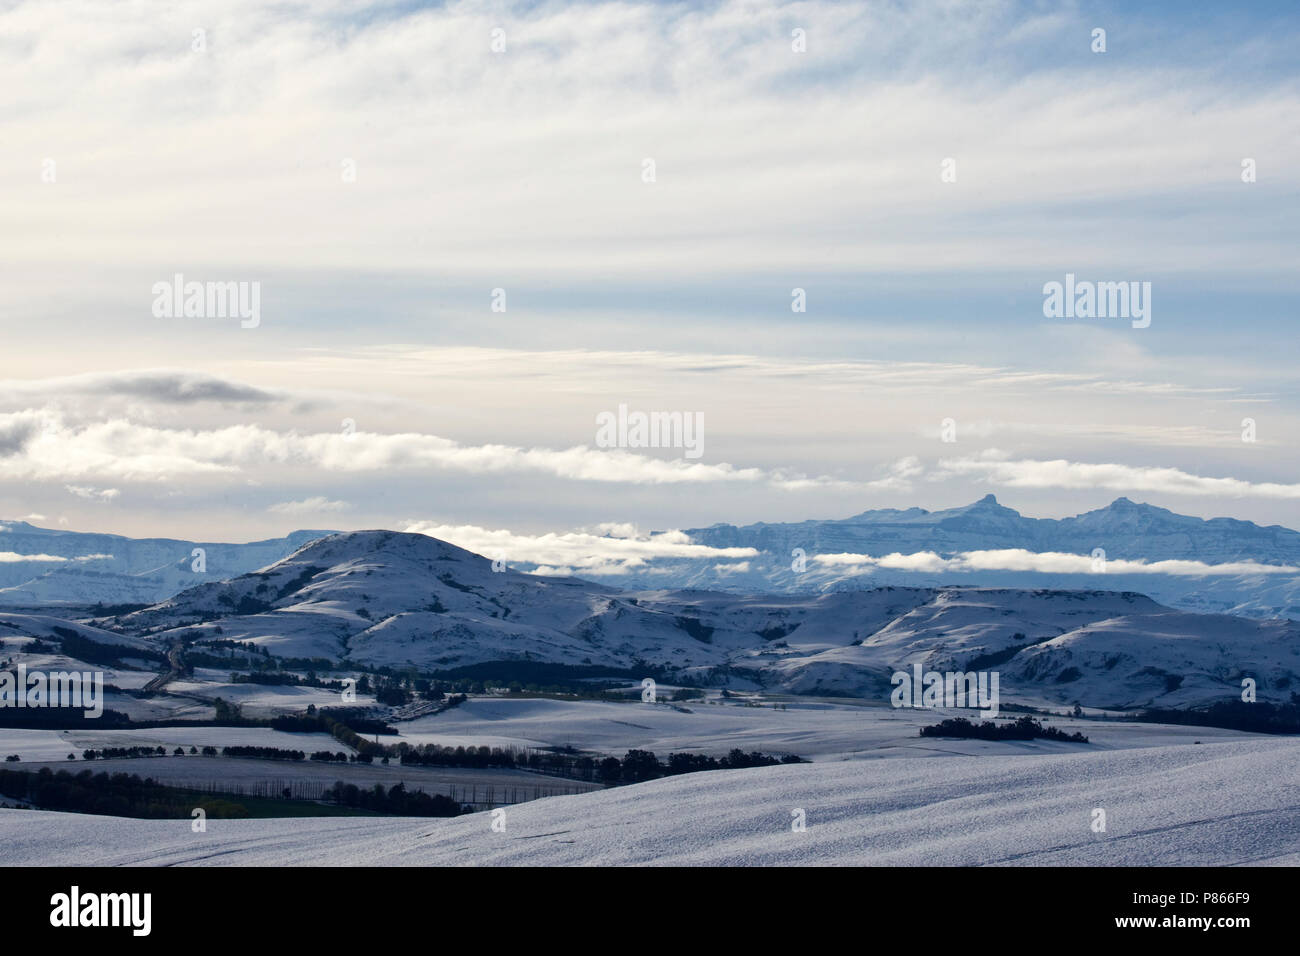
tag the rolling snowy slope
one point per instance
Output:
(1215, 805)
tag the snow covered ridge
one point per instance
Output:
(389, 598)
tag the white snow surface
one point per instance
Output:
(1217, 804)
(808, 727)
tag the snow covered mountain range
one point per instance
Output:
(1125, 528)
(1219, 565)
(842, 625)
(388, 598)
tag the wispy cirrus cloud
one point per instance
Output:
(318, 504)
(1189, 435)
(591, 368)
(715, 92)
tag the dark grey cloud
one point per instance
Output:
(16, 432)
(164, 386)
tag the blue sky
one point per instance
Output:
(213, 140)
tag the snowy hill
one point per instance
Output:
(387, 598)
(49, 628)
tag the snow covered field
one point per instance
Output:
(38, 745)
(1235, 802)
(815, 729)
(257, 700)
(241, 774)
(821, 729)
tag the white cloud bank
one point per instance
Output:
(13, 557)
(42, 445)
(1044, 562)
(595, 550)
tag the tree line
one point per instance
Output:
(1022, 728)
(396, 800)
(1260, 717)
(117, 794)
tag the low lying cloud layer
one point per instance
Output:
(13, 557)
(40, 445)
(604, 550)
(1043, 562)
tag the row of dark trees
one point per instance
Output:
(111, 753)
(263, 753)
(285, 678)
(636, 765)
(396, 800)
(639, 765)
(1022, 728)
(129, 795)
(345, 725)
(108, 753)
(1260, 717)
(115, 794)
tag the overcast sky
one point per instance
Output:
(379, 170)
